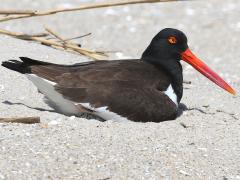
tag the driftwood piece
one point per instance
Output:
(29, 13)
(24, 120)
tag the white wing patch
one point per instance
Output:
(47, 88)
(104, 113)
(171, 94)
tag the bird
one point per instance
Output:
(148, 89)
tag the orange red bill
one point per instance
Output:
(200, 66)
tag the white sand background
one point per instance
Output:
(76, 148)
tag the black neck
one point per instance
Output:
(173, 68)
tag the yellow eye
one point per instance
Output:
(172, 40)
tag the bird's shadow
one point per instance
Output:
(35, 108)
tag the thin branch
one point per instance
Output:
(81, 7)
(24, 120)
(78, 37)
(54, 34)
(64, 41)
(26, 36)
(73, 38)
(75, 47)
(83, 51)
(11, 12)
(59, 38)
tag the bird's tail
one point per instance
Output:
(23, 66)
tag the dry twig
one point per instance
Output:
(78, 37)
(24, 120)
(11, 12)
(27, 13)
(52, 43)
(54, 34)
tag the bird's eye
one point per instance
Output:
(172, 40)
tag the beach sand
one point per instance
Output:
(203, 143)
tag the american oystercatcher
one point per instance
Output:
(146, 89)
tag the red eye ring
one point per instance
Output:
(172, 40)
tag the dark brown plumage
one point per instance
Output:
(130, 88)
(146, 89)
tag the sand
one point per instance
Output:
(203, 143)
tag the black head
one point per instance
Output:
(167, 48)
(167, 44)
(165, 52)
